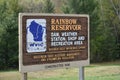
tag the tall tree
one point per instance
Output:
(9, 36)
(112, 20)
(48, 7)
(31, 6)
(89, 7)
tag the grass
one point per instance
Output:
(103, 71)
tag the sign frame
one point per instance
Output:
(38, 67)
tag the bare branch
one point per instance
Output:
(116, 10)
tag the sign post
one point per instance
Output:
(24, 76)
(81, 73)
(52, 41)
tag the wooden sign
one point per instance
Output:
(51, 41)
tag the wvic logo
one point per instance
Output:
(36, 35)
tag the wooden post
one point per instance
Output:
(24, 76)
(81, 73)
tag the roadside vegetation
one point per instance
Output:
(102, 71)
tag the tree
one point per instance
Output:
(112, 19)
(9, 35)
(48, 7)
(32, 6)
(91, 8)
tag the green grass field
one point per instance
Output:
(104, 71)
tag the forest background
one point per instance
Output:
(104, 26)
